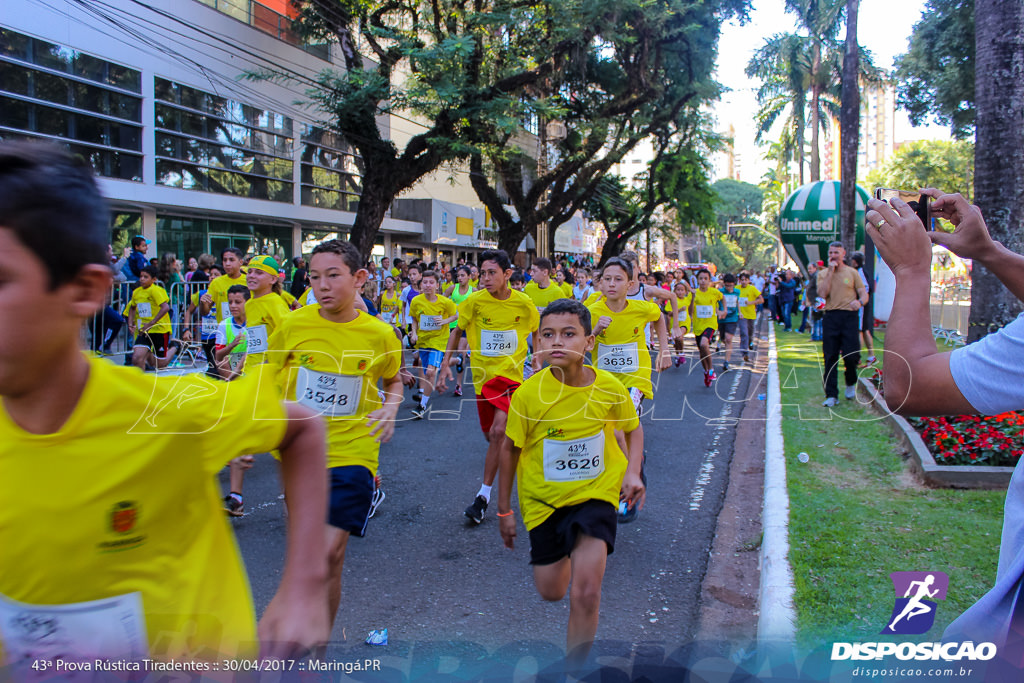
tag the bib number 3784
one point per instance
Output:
(498, 343)
(577, 460)
(329, 394)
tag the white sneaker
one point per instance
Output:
(829, 402)
(851, 391)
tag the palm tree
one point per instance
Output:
(783, 65)
(850, 130)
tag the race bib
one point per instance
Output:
(683, 316)
(329, 394)
(257, 338)
(577, 460)
(704, 311)
(623, 358)
(743, 302)
(731, 301)
(498, 343)
(430, 323)
(208, 326)
(144, 309)
(225, 310)
(112, 628)
(387, 316)
(235, 361)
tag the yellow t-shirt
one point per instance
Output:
(126, 497)
(684, 310)
(542, 297)
(307, 298)
(497, 330)
(430, 333)
(567, 436)
(263, 316)
(288, 298)
(705, 309)
(391, 308)
(147, 302)
(748, 297)
(566, 290)
(334, 368)
(621, 348)
(475, 284)
(218, 291)
(593, 299)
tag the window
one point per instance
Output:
(331, 173)
(214, 144)
(89, 104)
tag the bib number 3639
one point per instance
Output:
(329, 394)
(618, 357)
(577, 460)
(256, 338)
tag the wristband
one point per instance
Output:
(506, 514)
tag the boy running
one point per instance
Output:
(149, 321)
(330, 359)
(431, 315)
(727, 325)
(216, 297)
(117, 468)
(458, 293)
(571, 471)
(541, 289)
(497, 321)
(264, 311)
(684, 296)
(705, 313)
(230, 343)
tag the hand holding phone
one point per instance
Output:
(917, 201)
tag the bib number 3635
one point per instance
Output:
(329, 394)
(577, 460)
(618, 357)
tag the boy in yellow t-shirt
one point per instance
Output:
(750, 299)
(571, 471)
(541, 289)
(497, 322)
(116, 469)
(216, 297)
(431, 313)
(330, 359)
(149, 313)
(705, 314)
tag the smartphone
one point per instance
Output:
(917, 201)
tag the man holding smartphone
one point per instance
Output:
(844, 295)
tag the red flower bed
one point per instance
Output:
(973, 439)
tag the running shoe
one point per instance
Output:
(458, 364)
(707, 379)
(830, 402)
(675, 361)
(851, 392)
(458, 390)
(233, 506)
(746, 358)
(378, 496)
(725, 366)
(417, 397)
(476, 511)
(419, 411)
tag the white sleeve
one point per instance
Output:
(989, 372)
(222, 332)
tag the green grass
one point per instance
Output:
(856, 514)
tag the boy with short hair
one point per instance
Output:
(149, 321)
(216, 297)
(117, 468)
(727, 325)
(330, 358)
(497, 321)
(431, 313)
(541, 289)
(517, 281)
(704, 313)
(230, 346)
(570, 468)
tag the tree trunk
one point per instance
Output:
(800, 140)
(849, 131)
(998, 151)
(374, 202)
(815, 122)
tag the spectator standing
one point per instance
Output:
(787, 296)
(299, 278)
(844, 294)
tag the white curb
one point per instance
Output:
(777, 620)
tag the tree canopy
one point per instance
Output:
(945, 164)
(936, 76)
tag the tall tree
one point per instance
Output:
(645, 71)
(998, 151)
(936, 75)
(849, 132)
(443, 65)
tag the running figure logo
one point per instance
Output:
(916, 596)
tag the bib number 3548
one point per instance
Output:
(577, 460)
(329, 394)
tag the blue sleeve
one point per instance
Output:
(989, 372)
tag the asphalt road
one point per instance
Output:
(443, 587)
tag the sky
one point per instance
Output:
(884, 28)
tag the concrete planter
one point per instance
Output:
(923, 465)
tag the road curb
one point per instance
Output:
(777, 622)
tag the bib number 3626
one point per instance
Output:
(577, 460)
(329, 394)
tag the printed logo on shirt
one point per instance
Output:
(362, 365)
(555, 431)
(122, 524)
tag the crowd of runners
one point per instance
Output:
(561, 361)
